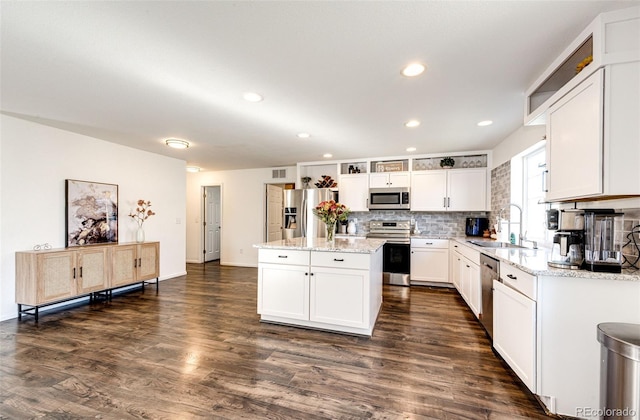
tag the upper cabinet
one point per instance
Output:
(611, 38)
(593, 135)
(353, 185)
(389, 174)
(449, 190)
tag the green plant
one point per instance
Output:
(448, 161)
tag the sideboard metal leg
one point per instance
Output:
(19, 311)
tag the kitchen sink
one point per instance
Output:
(494, 244)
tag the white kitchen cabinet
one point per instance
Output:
(449, 190)
(389, 180)
(514, 331)
(592, 137)
(339, 296)
(454, 265)
(354, 191)
(429, 261)
(283, 291)
(465, 269)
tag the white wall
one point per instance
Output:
(35, 161)
(243, 212)
(517, 142)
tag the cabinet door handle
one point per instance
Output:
(283, 256)
(444, 202)
(338, 259)
(139, 262)
(544, 180)
(306, 274)
(74, 272)
(311, 274)
(80, 271)
(448, 201)
(468, 266)
(512, 277)
(135, 263)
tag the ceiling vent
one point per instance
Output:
(279, 173)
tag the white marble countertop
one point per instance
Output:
(534, 261)
(355, 245)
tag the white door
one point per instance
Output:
(212, 210)
(274, 213)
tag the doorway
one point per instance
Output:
(212, 223)
(274, 216)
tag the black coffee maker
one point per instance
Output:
(568, 242)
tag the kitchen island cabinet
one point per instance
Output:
(317, 284)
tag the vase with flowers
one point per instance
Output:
(330, 213)
(140, 214)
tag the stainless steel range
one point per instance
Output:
(396, 251)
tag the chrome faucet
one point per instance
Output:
(521, 238)
(501, 211)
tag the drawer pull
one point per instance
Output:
(338, 259)
(512, 277)
(428, 243)
(283, 256)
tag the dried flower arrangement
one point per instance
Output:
(142, 212)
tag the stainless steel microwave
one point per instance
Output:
(389, 199)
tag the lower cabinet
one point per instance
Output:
(50, 276)
(465, 275)
(429, 261)
(328, 290)
(514, 331)
(284, 290)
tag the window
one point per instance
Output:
(527, 190)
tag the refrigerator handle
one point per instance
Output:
(303, 219)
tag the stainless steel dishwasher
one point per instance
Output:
(489, 271)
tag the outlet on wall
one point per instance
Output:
(241, 251)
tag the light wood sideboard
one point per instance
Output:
(52, 276)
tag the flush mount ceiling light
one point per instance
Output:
(413, 69)
(411, 149)
(327, 155)
(193, 169)
(252, 97)
(412, 123)
(304, 135)
(177, 143)
(485, 123)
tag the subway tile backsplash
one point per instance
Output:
(429, 223)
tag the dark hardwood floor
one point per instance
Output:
(198, 350)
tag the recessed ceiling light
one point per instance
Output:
(412, 123)
(327, 155)
(193, 169)
(411, 149)
(304, 135)
(252, 97)
(413, 69)
(177, 143)
(485, 123)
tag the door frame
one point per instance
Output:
(203, 214)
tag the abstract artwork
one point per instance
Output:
(92, 213)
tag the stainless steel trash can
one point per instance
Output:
(619, 371)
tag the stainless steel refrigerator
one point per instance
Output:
(299, 220)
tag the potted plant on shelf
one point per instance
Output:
(447, 163)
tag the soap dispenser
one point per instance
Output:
(351, 227)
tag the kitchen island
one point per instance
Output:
(313, 283)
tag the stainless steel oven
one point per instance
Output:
(389, 199)
(396, 262)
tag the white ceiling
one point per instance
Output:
(137, 72)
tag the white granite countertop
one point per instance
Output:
(534, 261)
(355, 245)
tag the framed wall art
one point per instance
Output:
(91, 213)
